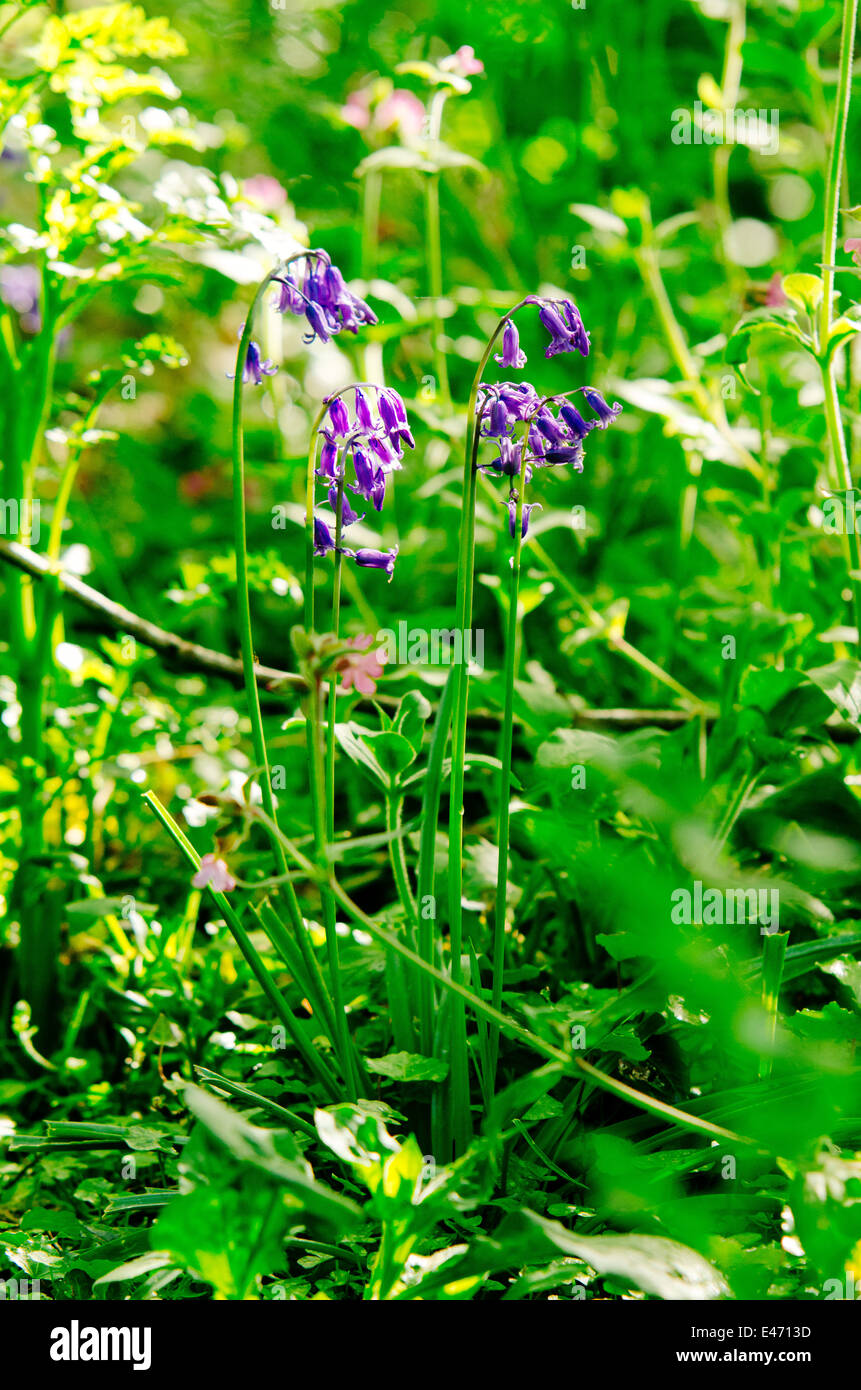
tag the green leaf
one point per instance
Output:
(654, 1264)
(408, 1066)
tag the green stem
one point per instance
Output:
(427, 860)
(247, 644)
(504, 815)
(333, 684)
(649, 267)
(309, 1053)
(433, 235)
(318, 774)
(834, 424)
(461, 1123)
(479, 1006)
(310, 478)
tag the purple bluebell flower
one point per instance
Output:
(388, 414)
(606, 413)
(324, 299)
(382, 449)
(571, 454)
(510, 458)
(560, 335)
(372, 433)
(254, 369)
(323, 539)
(364, 418)
(578, 428)
(378, 491)
(512, 354)
(348, 516)
(365, 473)
(339, 417)
(393, 414)
(579, 336)
(328, 460)
(524, 520)
(377, 560)
(546, 423)
(497, 421)
(318, 322)
(334, 285)
(561, 318)
(290, 299)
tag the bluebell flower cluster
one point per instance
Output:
(370, 440)
(531, 431)
(560, 317)
(317, 291)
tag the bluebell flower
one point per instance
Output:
(498, 420)
(545, 422)
(578, 428)
(323, 538)
(323, 298)
(571, 454)
(606, 413)
(365, 473)
(382, 449)
(364, 418)
(378, 491)
(348, 516)
(512, 354)
(319, 323)
(400, 410)
(510, 401)
(328, 467)
(290, 299)
(524, 520)
(339, 417)
(387, 413)
(377, 560)
(372, 435)
(561, 318)
(254, 369)
(579, 336)
(509, 460)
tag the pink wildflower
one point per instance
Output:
(215, 873)
(463, 63)
(362, 669)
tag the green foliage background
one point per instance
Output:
(689, 646)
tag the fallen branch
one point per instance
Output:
(116, 618)
(190, 655)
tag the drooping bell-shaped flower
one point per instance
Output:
(254, 369)
(339, 417)
(324, 541)
(512, 354)
(578, 428)
(524, 519)
(365, 473)
(364, 418)
(377, 560)
(606, 413)
(328, 467)
(348, 516)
